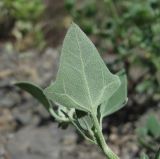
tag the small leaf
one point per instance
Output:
(153, 126)
(35, 91)
(118, 99)
(86, 122)
(83, 81)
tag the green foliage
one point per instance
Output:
(20, 18)
(157, 154)
(69, 4)
(149, 135)
(153, 126)
(22, 9)
(144, 156)
(83, 86)
(128, 28)
(83, 81)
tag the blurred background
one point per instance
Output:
(127, 35)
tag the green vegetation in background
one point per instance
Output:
(21, 19)
(149, 135)
(127, 28)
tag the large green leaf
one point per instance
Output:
(83, 81)
(35, 91)
(118, 99)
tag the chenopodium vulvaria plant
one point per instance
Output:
(85, 91)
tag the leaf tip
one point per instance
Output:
(73, 26)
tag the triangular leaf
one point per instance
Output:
(83, 81)
(35, 91)
(118, 99)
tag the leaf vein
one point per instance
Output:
(83, 71)
(71, 98)
(74, 68)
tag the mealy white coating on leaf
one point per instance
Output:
(83, 80)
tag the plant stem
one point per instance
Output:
(107, 151)
(81, 132)
(58, 118)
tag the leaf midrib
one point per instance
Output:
(83, 72)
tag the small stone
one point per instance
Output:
(2, 151)
(23, 117)
(7, 122)
(113, 138)
(69, 139)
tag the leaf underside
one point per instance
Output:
(118, 99)
(83, 80)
